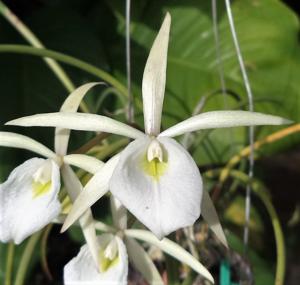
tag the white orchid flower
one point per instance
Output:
(29, 197)
(112, 268)
(154, 176)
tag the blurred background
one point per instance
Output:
(93, 31)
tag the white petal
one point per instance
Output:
(86, 162)
(210, 215)
(82, 270)
(86, 221)
(93, 191)
(142, 262)
(154, 79)
(172, 249)
(223, 119)
(19, 141)
(71, 104)
(100, 226)
(162, 204)
(119, 213)
(78, 121)
(23, 210)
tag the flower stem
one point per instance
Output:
(44, 260)
(35, 42)
(26, 257)
(9, 263)
(112, 148)
(258, 144)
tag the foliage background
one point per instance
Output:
(268, 31)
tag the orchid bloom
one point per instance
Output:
(154, 176)
(29, 197)
(112, 267)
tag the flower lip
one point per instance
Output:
(82, 270)
(108, 255)
(154, 191)
(29, 206)
(155, 162)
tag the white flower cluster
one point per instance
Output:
(154, 177)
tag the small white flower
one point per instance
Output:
(155, 177)
(28, 199)
(112, 268)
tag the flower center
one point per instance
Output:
(41, 183)
(109, 256)
(155, 162)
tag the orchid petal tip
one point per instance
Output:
(168, 16)
(15, 122)
(9, 123)
(287, 122)
(64, 228)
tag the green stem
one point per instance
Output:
(26, 257)
(111, 149)
(261, 192)
(23, 49)
(280, 268)
(9, 263)
(104, 152)
(34, 41)
(44, 260)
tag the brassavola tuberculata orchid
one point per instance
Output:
(29, 197)
(112, 267)
(154, 177)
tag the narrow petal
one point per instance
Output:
(100, 226)
(164, 201)
(172, 249)
(29, 199)
(119, 214)
(93, 191)
(223, 119)
(142, 262)
(86, 221)
(85, 162)
(78, 121)
(210, 215)
(19, 141)
(154, 79)
(71, 105)
(82, 270)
